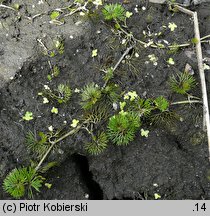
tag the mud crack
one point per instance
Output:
(86, 177)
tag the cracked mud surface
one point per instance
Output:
(172, 161)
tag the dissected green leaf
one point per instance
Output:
(54, 15)
(28, 116)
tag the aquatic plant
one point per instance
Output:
(21, 181)
(98, 144)
(91, 93)
(114, 12)
(122, 127)
(62, 94)
(182, 83)
(161, 103)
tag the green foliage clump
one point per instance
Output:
(54, 15)
(91, 93)
(59, 45)
(161, 115)
(142, 107)
(166, 118)
(55, 71)
(108, 75)
(22, 180)
(98, 144)
(114, 12)
(161, 103)
(122, 127)
(62, 94)
(111, 93)
(182, 83)
(96, 114)
(38, 146)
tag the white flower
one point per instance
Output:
(136, 9)
(40, 2)
(50, 128)
(76, 90)
(98, 2)
(45, 100)
(123, 41)
(115, 106)
(82, 14)
(46, 87)
(206, 67)
(153, 59)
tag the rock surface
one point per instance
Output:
(18, 38)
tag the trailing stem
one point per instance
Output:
(119, 61)
(186, 102)
(53, 143)
(7, 7)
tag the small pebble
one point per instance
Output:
(87, 196)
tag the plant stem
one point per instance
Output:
(203, 38)
(186, 102)
(7, 7)
(122, 57)
(119, 61)
(80, 8)
(55, 142)
(202, 77)
(206, 122)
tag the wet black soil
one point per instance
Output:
(172, 161)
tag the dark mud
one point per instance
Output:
(172, 161)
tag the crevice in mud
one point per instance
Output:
(95, 191)
(180, 146)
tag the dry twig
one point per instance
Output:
(206, 122)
